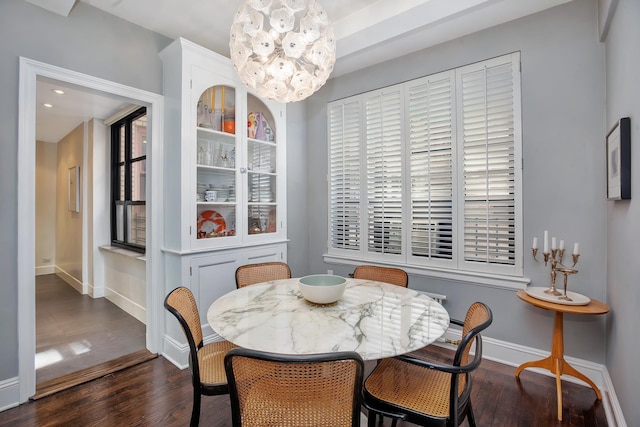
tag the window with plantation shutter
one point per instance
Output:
(431, 158)
(487, 137)
(384, 145)
(344, 165)
(426, 174)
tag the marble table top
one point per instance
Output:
(375, 319)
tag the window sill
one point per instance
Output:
(471, 277)
(124, 252)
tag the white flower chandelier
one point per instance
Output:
(282, 49)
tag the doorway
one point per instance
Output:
(30, 72)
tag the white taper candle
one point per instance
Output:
(546, 242)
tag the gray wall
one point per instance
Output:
(623, 217)
(88, 41)
(563, 117)
(297, 194)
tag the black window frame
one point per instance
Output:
(116, 164)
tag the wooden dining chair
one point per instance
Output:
(205, 361)
(315, 390)
(395, 276)
(429, 393)
(261, 272)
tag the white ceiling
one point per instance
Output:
(68, 110)
(367, 32)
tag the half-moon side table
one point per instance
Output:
(555, 361)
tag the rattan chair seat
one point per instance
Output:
(412, 387)
(211, 362)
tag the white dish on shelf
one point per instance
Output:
(576, 298)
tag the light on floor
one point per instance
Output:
(47, 358)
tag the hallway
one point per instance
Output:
(75, 331)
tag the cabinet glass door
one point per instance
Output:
(262, 169)
(216, 163)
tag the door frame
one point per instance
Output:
(30, 70)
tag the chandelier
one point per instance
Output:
(282, 49)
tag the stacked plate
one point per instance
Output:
(200, 190)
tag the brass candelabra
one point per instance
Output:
(555, 257)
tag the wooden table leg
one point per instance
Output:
(556, 363)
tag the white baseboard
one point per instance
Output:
(611, 403)
(175, 352)
(45, 269)
(95, 292)
(70, 280)
(9, 393)
(131, 307)
(178, 353)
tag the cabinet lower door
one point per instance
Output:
(214, 274)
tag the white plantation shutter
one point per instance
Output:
(344, 175)
(487, 137)
(427, 173)
(383, 138)
(431, 130)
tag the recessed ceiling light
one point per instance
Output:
(47, 105)
(58, 91)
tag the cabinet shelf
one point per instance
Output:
(261, 172)
(259, 141)
(205, 168)
(230, 137)
(216, 203)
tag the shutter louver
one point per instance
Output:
(383, 136)
(430, 121)
(489, 165)
(344, 171)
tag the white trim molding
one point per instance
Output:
(9, 393)
(30, 71)
(615, 417)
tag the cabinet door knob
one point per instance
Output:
(243, 170)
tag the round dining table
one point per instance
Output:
(375, 319)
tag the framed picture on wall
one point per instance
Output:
(74, 188)
(619, 160)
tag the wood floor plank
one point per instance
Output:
(76, 331)
(156, 393)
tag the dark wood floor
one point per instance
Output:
(75, 331)
(156, 393)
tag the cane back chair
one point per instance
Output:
(205, 361)
(425, 392)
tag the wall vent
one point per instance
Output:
(438, 297)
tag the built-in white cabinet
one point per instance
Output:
(225, 161)
(224, 178)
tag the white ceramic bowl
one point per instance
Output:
(322, 288)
